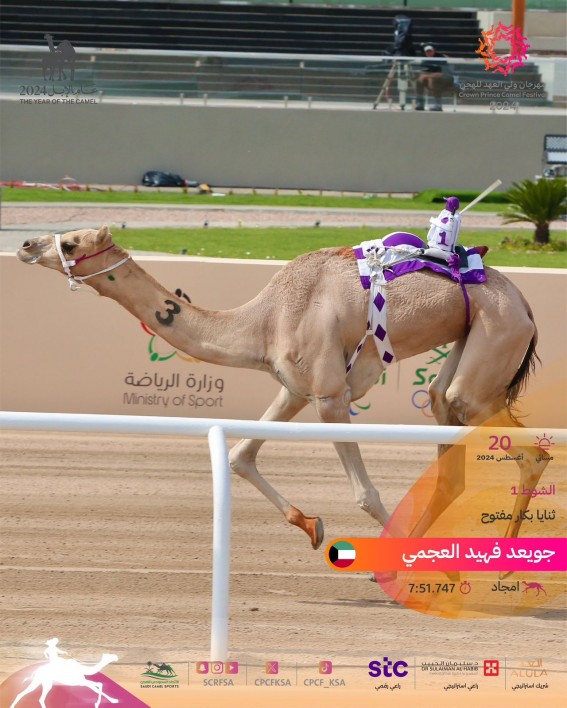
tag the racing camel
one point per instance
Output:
(304, 327)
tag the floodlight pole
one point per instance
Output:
(519, 14)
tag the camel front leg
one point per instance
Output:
(242, 460)
(449, 486)
(477, 393)
(450, 482)
(335, 409)
(532, 465)
(530, 473)
(96, 687)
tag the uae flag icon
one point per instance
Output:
(342, 554)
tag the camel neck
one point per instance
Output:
(223, 337)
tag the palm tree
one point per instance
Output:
(539, 202)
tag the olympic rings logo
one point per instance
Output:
(420, 399)
(360, 409)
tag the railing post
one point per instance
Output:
(221, 543)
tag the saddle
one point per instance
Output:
(400, 253)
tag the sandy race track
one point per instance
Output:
(106, 544)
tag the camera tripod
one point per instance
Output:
(401, 71)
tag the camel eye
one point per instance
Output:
(68, 247)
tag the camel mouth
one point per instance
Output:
(29, 253)
(27, 257)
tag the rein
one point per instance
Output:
(76, 280)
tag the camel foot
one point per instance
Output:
(312, 525)
(318, 533)
(384, 576)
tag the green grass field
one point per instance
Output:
(176, 198)
(285, 244)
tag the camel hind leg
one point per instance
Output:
(35, 683)
(242, 459)
(96, 687)
(478, 395)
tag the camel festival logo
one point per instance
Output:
(62, 682)
(515, 44)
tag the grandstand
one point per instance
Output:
(250, 28)
(297, 29)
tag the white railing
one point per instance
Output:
(218, 429)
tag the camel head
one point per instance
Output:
(75, 247)
(109, 658)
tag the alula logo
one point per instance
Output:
(510, 38)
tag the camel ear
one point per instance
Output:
(103, 235)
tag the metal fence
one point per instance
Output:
(133, 73)
(217, 430)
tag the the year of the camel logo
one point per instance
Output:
(61, 83)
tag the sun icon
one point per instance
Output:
(544, 441)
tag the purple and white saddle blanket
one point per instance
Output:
(397, 254)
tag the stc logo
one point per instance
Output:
(387, 668)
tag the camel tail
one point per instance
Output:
(527, 367)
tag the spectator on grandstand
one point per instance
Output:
(435, 76)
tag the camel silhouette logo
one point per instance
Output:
(536, 587)
(66, 672)
(61, 681)
(59, 58)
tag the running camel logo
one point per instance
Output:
(60, 682)
(161, 670)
